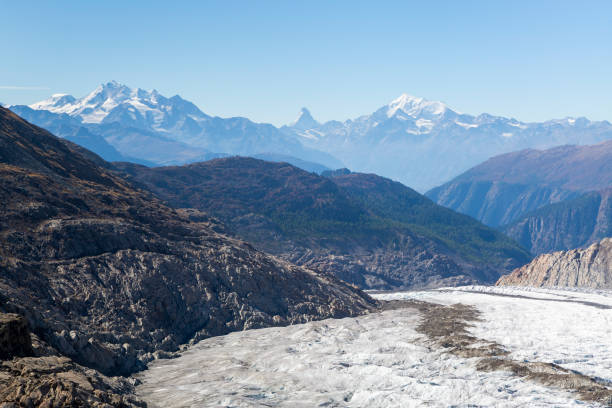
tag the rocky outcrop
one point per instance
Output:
(506, 187)
(585, 268)
(573, 223)
(33, 375)
(55, 381)
(14, 337)
(363, 228)
(111, 278)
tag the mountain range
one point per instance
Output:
(366, 229)
(150, 127)
(110, 261)
(418, 142)
(425, 143)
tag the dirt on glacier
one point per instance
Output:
(448, 327)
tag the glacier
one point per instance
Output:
(381, 360)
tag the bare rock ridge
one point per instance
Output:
(585, 268)
(107, 277)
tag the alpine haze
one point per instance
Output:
(418, 142)
(424, 143)
(153, 128)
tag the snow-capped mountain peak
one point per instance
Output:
(415, 106)
(109, 93)
(304, 121)
(92, 108)
(114, 101)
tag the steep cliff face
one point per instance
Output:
(573, 223)
(585, 268)
(497, 203)
(506, 187)
(365, 229)
(110, 277)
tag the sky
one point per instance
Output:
(532, 60)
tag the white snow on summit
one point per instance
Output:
(415, 106)
(97, 105)
(54, 103)
(466, 125)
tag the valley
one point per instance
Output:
(130, 285)
(432, 229)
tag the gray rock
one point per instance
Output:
(584, 268)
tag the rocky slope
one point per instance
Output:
(109, 277)
(504, 188)
(585, 268)
(573, 223)
(366, 229)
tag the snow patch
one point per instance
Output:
(518, 125)
(311, 134)
(425, 123)
(466, 125)
(414, 106)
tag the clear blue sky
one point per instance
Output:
(532, 60)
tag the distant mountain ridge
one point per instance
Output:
(425, 143)
(506, 187)
(150, 127)
(365, 229)
(418, 142)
